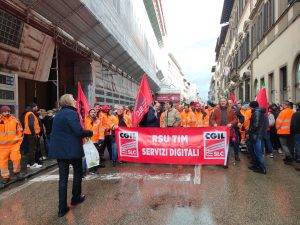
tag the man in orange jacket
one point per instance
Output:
(120, 120)
(94, 124)
(32, 130)
(104, 117)
(11, 136)
(186, 116)
(283, 124)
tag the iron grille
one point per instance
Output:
(8, 95)
(7, 80)
(10, 29)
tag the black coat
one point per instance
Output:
(295, 123)
(258, 124)
(66, 135)
(152, 120)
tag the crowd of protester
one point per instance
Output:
(253, 129)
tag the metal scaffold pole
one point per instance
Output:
(56, 81)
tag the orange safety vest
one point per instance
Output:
(114, 121)
(11, 132)
(37, 128)
(161, 119)
(207, 117)
(95, 127)
(247, 116)
(199, 119)
(283, 121)
(186, 118)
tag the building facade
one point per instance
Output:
(258, 46)
(46, 47)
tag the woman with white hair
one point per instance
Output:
(66, 147)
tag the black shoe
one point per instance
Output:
(288, 162)
(5, 181)
(19, 177)
(102, 165)
(61, 213)
(225, 167)
(114, 163)
(253, 167)
(78, 201)
(264, 171)
(102, 159)
(237, 158)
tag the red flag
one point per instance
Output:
(262, 100)
(232, 98)
(143, 99)
(82, 105)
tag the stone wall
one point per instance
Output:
(32, 60)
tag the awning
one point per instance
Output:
(78, 21)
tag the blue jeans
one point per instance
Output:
(268, 144)
(236, 144)
(258, 151)
(114, 148)
(297, 144)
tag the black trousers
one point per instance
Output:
(63, 165)
(107, 143)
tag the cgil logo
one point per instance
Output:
(214, 145)
(128, 144)
(128, 135)
(214, 136)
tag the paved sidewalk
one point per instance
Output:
(30, 172)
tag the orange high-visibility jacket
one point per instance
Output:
(247, 116)
(186, 118)
(198, 116)
(11, 132)
(283, 121)
(105, 123)
(207, 117)
(37, 128)
(95, 126)
(114, 121)
(161, 119)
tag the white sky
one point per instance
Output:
(193, 27)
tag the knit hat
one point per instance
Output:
(4, 108)
(254, 104)
(105, 108)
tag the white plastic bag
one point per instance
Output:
(91, 155)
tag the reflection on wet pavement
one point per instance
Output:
(164, 194)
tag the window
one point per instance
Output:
(262, 82)
(7, 95)
(11, 29)
(99, 92)
(247, 90)
(297, 81)
(100, 99)
(241, 91)
(109, 100)
(283, 83)
(256, 87)
(7, 80)
(271, 87)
